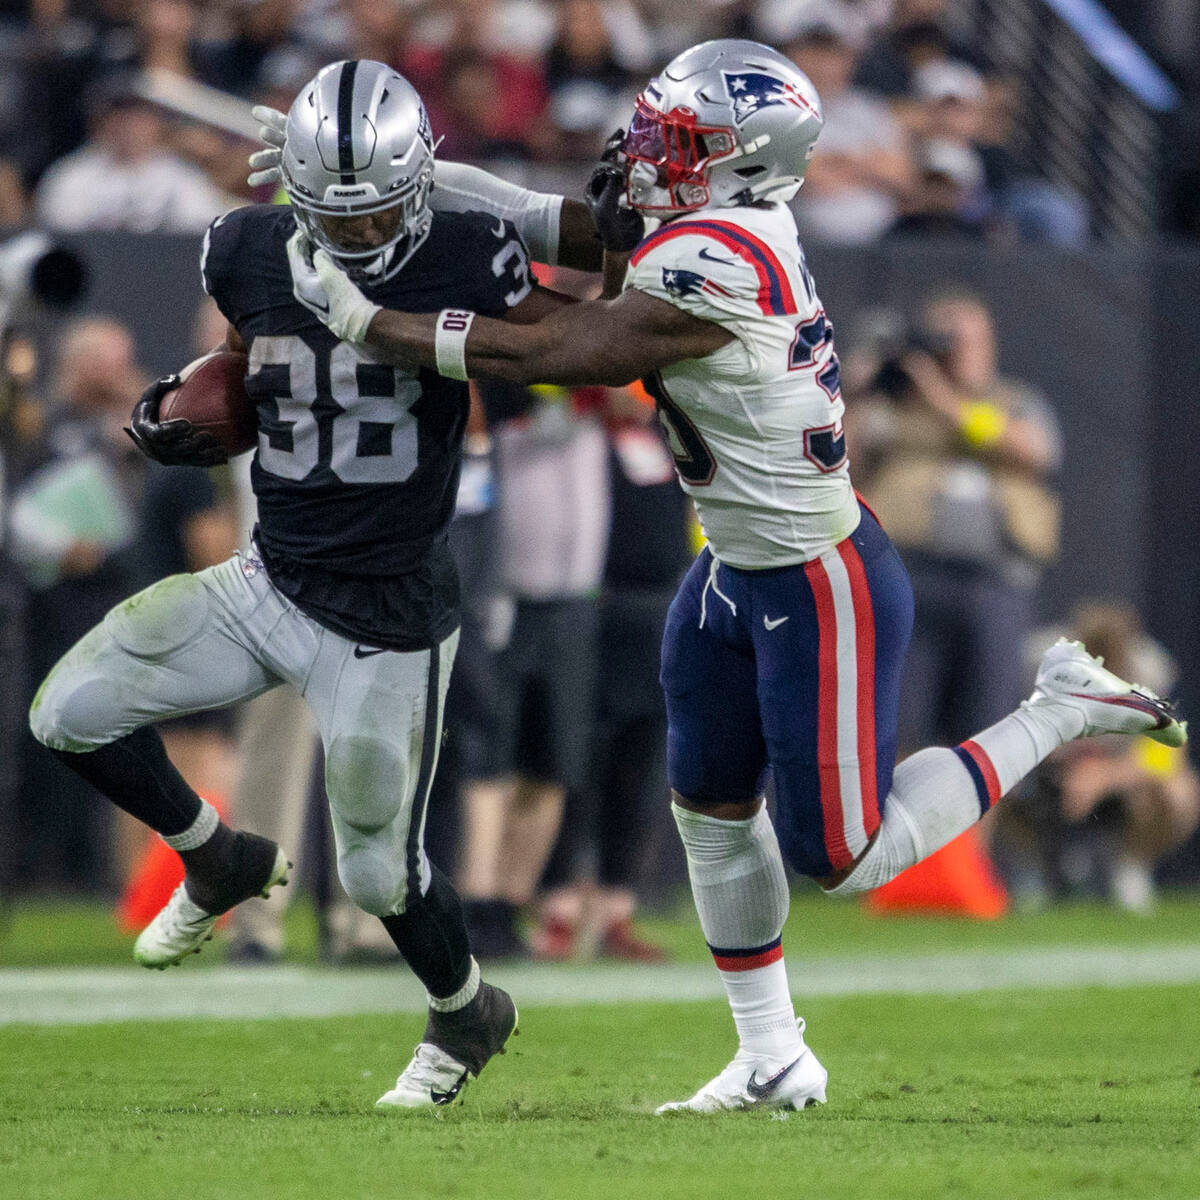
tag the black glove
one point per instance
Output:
(173, 443)
(620, 229)
(612, 147)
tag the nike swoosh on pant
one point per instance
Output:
(361, 652)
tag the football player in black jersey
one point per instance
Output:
(348, 592)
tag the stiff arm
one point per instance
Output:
(558, 231)
(608, 342)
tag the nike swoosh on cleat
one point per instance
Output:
(764, 1090)
(449, 1095)
(361, 652)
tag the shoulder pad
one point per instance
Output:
(717, 259)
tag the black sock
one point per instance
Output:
(432, 937)
(211, 858)
(229, 867)
(136, 775)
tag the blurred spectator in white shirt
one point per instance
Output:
(522, 28)
(123, 177)
(954, 106)
(862, 165)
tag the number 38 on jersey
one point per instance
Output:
(336, 408)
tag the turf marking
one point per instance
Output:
(89, 996)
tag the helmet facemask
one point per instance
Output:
(667, 157)
(409, 199)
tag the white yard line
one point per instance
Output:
(88, 996)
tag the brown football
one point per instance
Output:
(213, 397)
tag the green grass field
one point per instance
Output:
(1072, 1092)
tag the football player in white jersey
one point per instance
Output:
(784, 645)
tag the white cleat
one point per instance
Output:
(181, 927)
(1070, 676)
(431, 1079)
(754, 1082)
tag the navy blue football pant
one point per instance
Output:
(796, 670)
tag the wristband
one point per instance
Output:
(983, 424)
(450, 342)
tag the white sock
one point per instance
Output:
(741, 895)
(939, 793)
(198, 832)
(462, 997)
(1021, 740)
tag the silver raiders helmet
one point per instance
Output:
(358, 143)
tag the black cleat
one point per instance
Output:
(184, 924)
(457, 1046)
(475, 1033)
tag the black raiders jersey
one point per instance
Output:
(357, 466)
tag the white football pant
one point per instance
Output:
(195, 642)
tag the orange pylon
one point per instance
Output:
(957, 880)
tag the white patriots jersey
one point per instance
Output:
(756, 427)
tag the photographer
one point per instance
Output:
(959, 461)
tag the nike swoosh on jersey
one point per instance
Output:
(364, 652)
(774, 624)
(447, 1097)
(708, 256)
(764, 1090)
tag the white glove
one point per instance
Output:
(326, 290)
(265, 164)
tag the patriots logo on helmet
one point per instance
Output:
(687, 283)
(751, 91)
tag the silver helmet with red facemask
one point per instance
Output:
(725, 123)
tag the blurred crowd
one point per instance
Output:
(571, 534)
(960, 461)
(917, 138)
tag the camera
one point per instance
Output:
(890, 378)
(37, 271)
